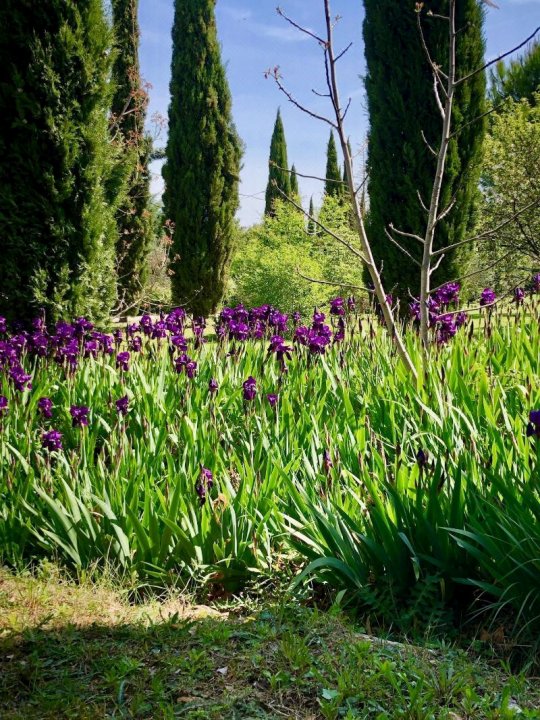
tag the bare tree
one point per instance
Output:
(445, 84)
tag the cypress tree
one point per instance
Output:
(129, 106)
(295, 190)
(311, 227)
(278, 176)
(333, 186)
(401, 104)
(203, 161)
(58, 194)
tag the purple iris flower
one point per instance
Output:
(20, 379)
(204, 484)
(122, 405)
(461, 319)
(536, 283)
(519, 295)
(272, 399)
(159, 330)
(180, 363)
(3, 324)
(136, 343)
(328, 463)
(422, 459)
(213, 386)
(122, 361)
(52, 440)
(79, 415)
(3, 405)
(339, 335)
(81, 326)
(487, 297)
(118, 336)
(533, 426)
(351, 303)
(45, 407)
(239, 330)
(318, 317)
(250, 388)
(446, 328)
(296, 317)
(337, 306)
(91, 348)
(39, 343)
(191, 369)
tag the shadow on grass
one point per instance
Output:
(279, 662)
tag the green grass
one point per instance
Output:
(83, 652)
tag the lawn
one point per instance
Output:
(82, 651)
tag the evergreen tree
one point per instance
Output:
(203, 161)
(295, 190)
(519, 80)
(279, 176)
(311, 227)
(333, 186)
(401, 104)
(129, 113)
(58, 189)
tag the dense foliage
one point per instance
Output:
(58, 183)
(402, 106)
(511, 185)
(279, 178)
(162, 454)
(517, 80)
(130, 100)
(203, 161)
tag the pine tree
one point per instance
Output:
(401, 104)
(333, 186)
(203, 161)
(278, 177)
(519, 79)
(129, 114)
(58, 191)
(295, 190)
(311, 227)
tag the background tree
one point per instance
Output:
(295, 190)
(279, 177)
(130, 101)
(403, 109)
(510, 182)
(333, 186)
(58, 188)
(203, 161)
(519, 79)
(311, 227)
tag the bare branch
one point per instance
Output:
(479, 117)
(497, 59)
(400, 247)
(436, 266)
(422, 203)
(477, 272)
(350, 247)
(275, 74)
(448, 209)
(344, 114)
(309, 177)
(342, 53)
(334, 284)
(406, 234)
(487, 233)
(301, 29)
(431, 150)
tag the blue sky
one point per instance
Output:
(253, 38)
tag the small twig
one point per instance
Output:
(431, 150)
(294, 101)
(406, 234)
(342, 53)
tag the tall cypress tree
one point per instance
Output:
(295, 190)
(203, 161)
(129, 114)
(401, 106)
(58, 194)
(333, 186)
(311, 226)
(278, 174)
